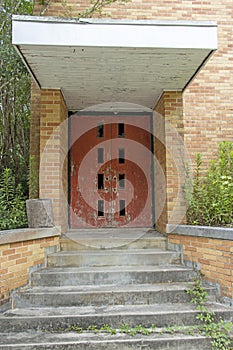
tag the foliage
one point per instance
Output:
(96, 7)
(210, 196)
(93, 328)
(75, 328)
(211, 326)
(108, 329)
(14, 98)
(33, 179)
(218, 331)
(12, 202)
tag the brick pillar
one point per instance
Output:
(53, 154)
(160, 167)
(171, 157)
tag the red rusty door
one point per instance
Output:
(110, 171)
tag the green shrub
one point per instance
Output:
(210, 196)
(12, 203)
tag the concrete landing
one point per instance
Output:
(113, 238)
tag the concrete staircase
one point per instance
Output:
(109, 277)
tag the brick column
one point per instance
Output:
(171, 155)
(53, 154)
(160, 167)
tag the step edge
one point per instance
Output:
(146, 310)
(182, 286)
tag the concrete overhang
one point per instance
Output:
(96, 61)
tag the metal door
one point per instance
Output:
(111, 166)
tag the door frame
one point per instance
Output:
(123, 114)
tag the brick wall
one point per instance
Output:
(64, 167)
(170, 154)
(208, 100)
(54, 153)
(205, 113)
(18, 258)
(214, 256)
(160, 166)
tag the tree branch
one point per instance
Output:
(98, 6)
(46, 6)
(6, 83)
(10, 14)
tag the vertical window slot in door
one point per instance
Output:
(100, 208)
(121, 180)
(121, 130)
(100, 155)
(121, 155)
(100, 181)
(100, 130)
(122, 207)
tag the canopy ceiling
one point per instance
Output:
(99, 61)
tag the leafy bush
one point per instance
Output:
(210, 196)
(12, 203)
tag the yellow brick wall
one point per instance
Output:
(160, 166)
(16, 260)
(205, 114)
(215, 257)
(171, 158)
(208, 115)
(54, 153)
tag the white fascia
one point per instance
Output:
(29, 30)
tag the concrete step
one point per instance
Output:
(55, 319)
(105, 295)
(116, 275)
(113, 238)
(103, 341)
(113, 258)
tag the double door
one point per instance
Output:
(110, 182)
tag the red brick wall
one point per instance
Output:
(214, 257)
